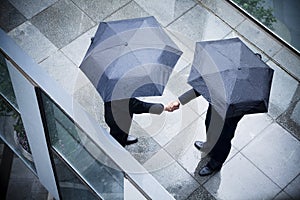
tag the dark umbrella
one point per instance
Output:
(130, 58)
(231, 77)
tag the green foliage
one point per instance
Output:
(6, 110)
(256, 9)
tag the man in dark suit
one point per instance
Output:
(118, 116)
(219, 133)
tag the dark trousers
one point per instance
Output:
(219, 132)
(118, 115)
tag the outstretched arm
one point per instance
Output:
(138, 107)
(183, 99)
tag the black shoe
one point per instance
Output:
(206, 170)
(199, 145)
(131, 140)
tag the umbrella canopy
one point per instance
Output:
(130, 58)
(231, 77)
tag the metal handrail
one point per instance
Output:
(136, 173)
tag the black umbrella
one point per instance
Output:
(130, 58)
(231, 77)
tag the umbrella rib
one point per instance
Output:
(100, 50)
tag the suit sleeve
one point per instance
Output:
(188, 96)
(138, 107)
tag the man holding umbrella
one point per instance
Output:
(235, 82)
(118, 116)
(128, 59)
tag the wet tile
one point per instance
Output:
(178, 82)
(129, 11)
(35, 6)
(145, 148)
(290, 119)
(182, 149)
(171, 175)
(159, 161)
(186, 46)
(10, 17)
(289, 60)
(98, 10)
(244, 134)
(225, 11)
(282, 91)
(250, 45)
(62, 22)
(206, 27)
(277, 153)
(201, 193)
(250, 31)
(77, 49)
(170, 124)
(240, 179)
(166, 11)
(32, 41)
(61, 69)
(282, 196)
(293, 189)
(92, 103)
(167, 125)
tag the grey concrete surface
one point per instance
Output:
(264, 162)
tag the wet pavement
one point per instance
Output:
(264, 162)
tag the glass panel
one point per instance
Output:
(12, 132)
(71, 187)
(81, 154)
(11, 126)
(282, 17)
(6, 88)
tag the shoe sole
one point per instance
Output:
(131, 142)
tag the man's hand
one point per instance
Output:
(172, 106)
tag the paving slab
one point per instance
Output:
(35, 6)
(61, 69)
(293, 189)
(10, 16)
(289, 60)
(244, 134)
(168, 10)
(129, 11)
(206, 27)
(276, 153)
(98, 10)
(283, 90)
(224, 11)
(240, 179)
(171, 175)
(32, 41)
(258, 37)
(77, 49)
(62, 22)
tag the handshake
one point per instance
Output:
(174, 105)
